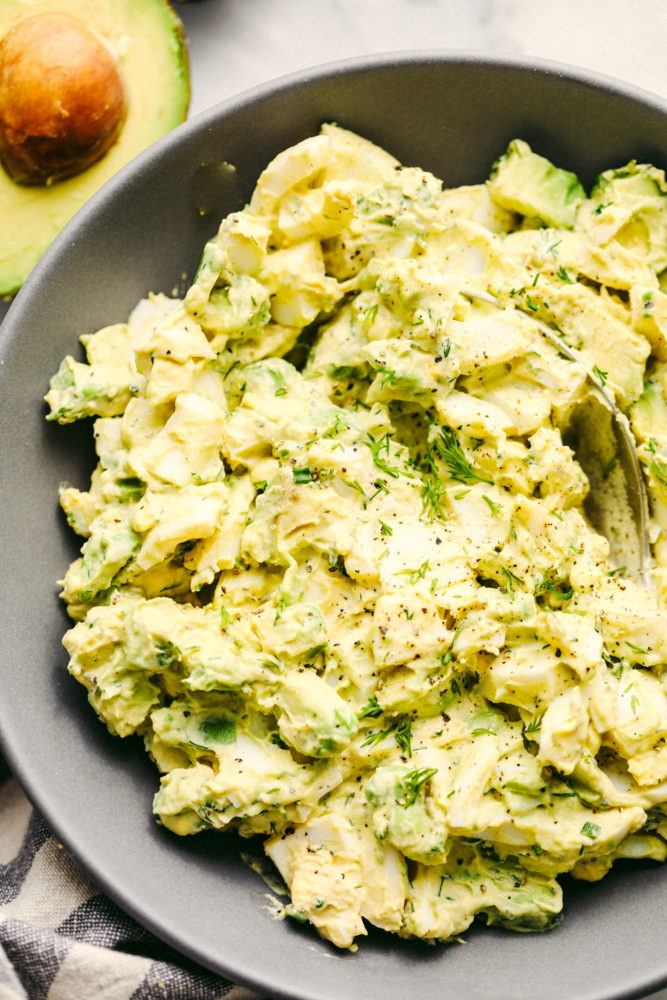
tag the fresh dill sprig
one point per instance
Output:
(409, 786)
(495, 508)
(535, 724)
(416, 574)
(371, 710)
(400, 729)
(447, 447)
(433, 490)
(378, 445)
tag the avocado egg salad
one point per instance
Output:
(337, 571)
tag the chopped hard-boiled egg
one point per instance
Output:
(337, 568)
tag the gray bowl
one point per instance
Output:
(145, 230)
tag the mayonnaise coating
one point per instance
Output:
(337, 570)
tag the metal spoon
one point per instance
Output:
(627, 455)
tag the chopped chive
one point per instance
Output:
(590, 829)
(302, 475)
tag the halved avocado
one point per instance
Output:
(146, 38)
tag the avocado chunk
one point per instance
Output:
(148, 66)
(630, 205)
(532, 186)
(635, 180)
(649, 414)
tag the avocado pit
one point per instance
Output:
(62, 100)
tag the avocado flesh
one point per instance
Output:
(523, 182)
(147, 39)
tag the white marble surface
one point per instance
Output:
(236, 44)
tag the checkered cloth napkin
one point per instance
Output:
(63, 939)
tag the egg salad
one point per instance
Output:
(338, 571)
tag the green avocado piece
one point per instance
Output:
(311, 716)
(635, 180)
(649, 414)
(444, 899)
(147, 38)
(401, 814)
(111, 545)
(631, 204)
(530, 185)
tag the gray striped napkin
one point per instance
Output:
(62, 939)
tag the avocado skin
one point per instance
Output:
(148, 39)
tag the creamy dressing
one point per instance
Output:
(337, 572)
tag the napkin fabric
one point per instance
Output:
(63, 939)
